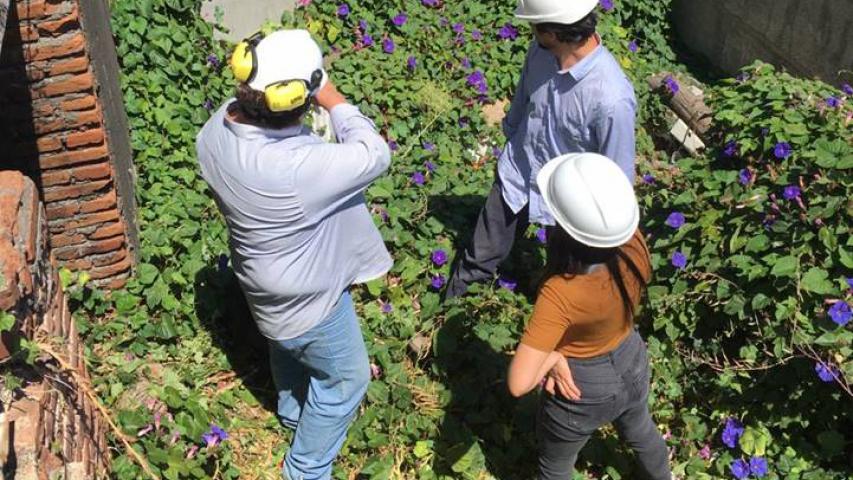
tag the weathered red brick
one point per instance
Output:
(67, 224)
(58, 7)
(28, 220)
(73, 157)
(110, 270)
(12, 186)
(119, 281)
(73, 207)
(89, 248)
(54, 194)
(70, 65)
(63, 85)
(83, 103)
(93, 172)
(62, 46)
(66, 239)
(108, 258)
(78, 264)
(52, 178)
(30, 9)
(109, 230)
(29, 33)
(62, 24)
(49, 143)
(87, 137)
(11, 262)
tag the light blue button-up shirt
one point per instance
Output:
(589, 107)
(300, 231)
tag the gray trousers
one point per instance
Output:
(614, 389)
(492, 243)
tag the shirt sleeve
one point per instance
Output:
(616, 135)
(332, 174)
(518, 107)
(549, 321)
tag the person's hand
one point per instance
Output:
(560, 379)
(329, 97)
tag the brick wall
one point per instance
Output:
(50, 430)
(54, 131)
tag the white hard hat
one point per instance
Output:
(591, 198)
(287, 55)
(554, 11)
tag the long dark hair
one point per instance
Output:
(253, 104)
(568, 257)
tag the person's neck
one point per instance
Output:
(570, 54)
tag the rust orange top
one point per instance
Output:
(583, 316)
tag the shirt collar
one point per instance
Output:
(587, 63)
(244, 130)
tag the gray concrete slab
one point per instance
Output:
(244, 17)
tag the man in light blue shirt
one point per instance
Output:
(300, 233)
(572, 97)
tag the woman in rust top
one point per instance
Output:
(582, 329)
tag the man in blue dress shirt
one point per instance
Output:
(572, 97)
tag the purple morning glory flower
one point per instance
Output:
(833, 102)
(430, 147)
(418, 179)
(542, 235)
(412, 62)
(633, 47)
(705, 453)
(443, 21)
(478, 80)
(429, 3)
(213, 60)
(745, 176)
(367, 40)
(782, 150)
(732, 432)
(429, 166)
(507, 284)
(497, 151)
(739, 468)
(671, 84)
(208, 104)
(387, 307)
(439, 257)
(476, 35)
(393, 145)
(466, 62)
(758, 466)
(675, 220)
(679, 260)
(222, 262)
(825, 372)
(792, 192)
(840, 313)
(648, 179)
(847, 89)
(607, 5)
(219, 432)
(384, 215)
(742, 77)
(343, 10)
(463, 122)
(437, 281)
(214, 437)
(458, 27)
(730, 149)
(363, 25)
(388, 45)
(850, 282)
(508, 32)
(400, 19)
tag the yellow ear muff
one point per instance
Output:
(243, 62)
(286, 96)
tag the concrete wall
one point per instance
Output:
(810, 38)
(244, 17)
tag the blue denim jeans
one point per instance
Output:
(321, 378)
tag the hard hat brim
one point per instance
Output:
(543, 180)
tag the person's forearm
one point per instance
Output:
(519, 381)
(546, 367)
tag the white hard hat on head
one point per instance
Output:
(591, 198)
(554, 11)
(287, 55)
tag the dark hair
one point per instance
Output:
(568, 257)
(253, 104)
(572, 33)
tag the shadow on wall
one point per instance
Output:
(18, 147)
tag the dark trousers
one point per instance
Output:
(492, 243)
(614, 389)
